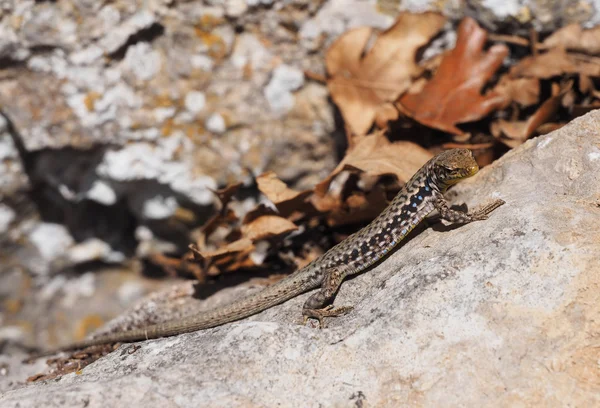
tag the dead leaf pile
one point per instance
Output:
(475, 84)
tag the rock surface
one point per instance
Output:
(504, 312)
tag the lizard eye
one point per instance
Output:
(449, 171)
(453, 173)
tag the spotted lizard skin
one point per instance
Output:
(421, 195)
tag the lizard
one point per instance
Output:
(419, 197)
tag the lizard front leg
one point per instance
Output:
(462, 217)
(315, 307)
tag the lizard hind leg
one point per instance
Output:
(316, 306)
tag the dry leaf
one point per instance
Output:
(361, 208)
(549, 127)
(226, 194)
(586, 64)
(326, 203)
(242, 245)
(586, 85)
(453, 94)
(267, 226)
(386, 112)
(358, 84)
(517, 132)
(232, 256)
(417, 86)
(568, 100)
(547, 65)
(376, 155)
(172, 265)
(556, 62)
(524, 91)
(260, 210)
(285, 199)
(275, 190)
(574, 38)
(509, 39)
(168, 264)
(225, 217)
(580, 110)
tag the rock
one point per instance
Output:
(51, 240)
(503, 312)
(216, 124)
(195, 101)
(7, 215)
(118, 37)
(278, 92)
(102, 79)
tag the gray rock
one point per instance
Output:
(278, 92)
(118, 37)
(496, 313)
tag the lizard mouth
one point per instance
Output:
(471, 170)
(463, 174)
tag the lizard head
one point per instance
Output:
(452, 166)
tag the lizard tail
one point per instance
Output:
(275, 294)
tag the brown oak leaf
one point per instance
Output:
(285, 199)
(229, 257)
(243, 245)
(555, 62)
(453, 95)
(574, 38)
(267, 226)
(226, 194)
(515, 133)
(376, 155)
(360, 208)
(359, 84)
(524, 91)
